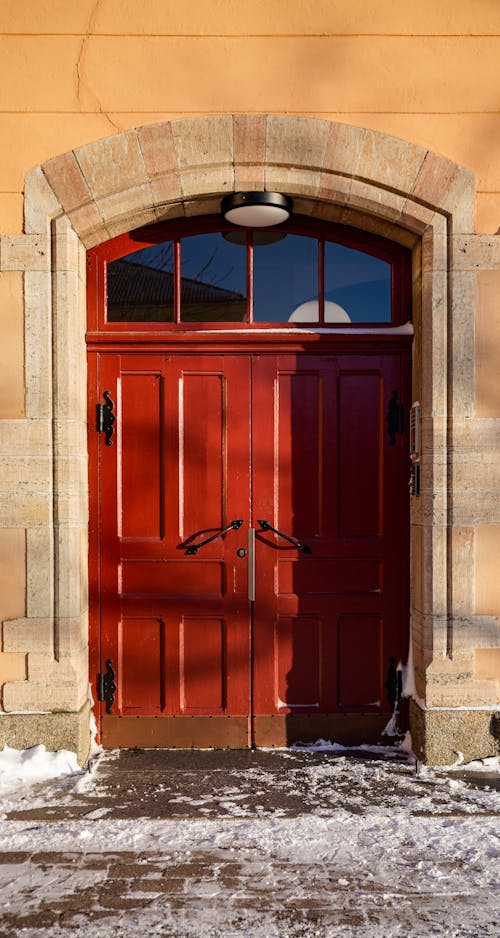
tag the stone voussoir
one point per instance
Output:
(67, 181)
(112, 164)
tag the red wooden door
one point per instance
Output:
(175, 625)
(203, 654)
(327, 473)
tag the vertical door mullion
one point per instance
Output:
(249, 277)
(177, 281)
(321, 281)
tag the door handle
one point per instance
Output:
(292, 540)
(233, 525)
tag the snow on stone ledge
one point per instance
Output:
(34, 765)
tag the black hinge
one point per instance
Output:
(394, 418)
(415, 478)
(106, 687)
(106, 418)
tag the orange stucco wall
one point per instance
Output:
(73, 72)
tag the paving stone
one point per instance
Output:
(14, 857)
(118, 889)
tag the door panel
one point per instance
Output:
(176, 626)
(359, 452)
(201, 452)
(142, 682)
(141, 395)
(299, 441)
(298, 447)
(326, 474)
(202, 688)
(298, 638)
(359, 662)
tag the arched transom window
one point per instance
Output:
(206, 271)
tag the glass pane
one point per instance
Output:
(214, 279)
(140, 286)
(357, 286)
(285, 275)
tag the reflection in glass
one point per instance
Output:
(213, 285)
(140, 286)
(309, 312)
(358, 282)
(285, 276)
(263, 236)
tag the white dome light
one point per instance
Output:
(309, 312)
(256, 209)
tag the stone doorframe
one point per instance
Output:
(335, 172)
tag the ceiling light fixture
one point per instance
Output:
(256, 209)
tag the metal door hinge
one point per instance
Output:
(106, 417)
(106, 687)
(394, 418)
(415, 478)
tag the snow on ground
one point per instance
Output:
(491, 764)
(19, 768)
(377, 847)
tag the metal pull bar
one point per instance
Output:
(298, 544)
(194, 548)
(251, 564)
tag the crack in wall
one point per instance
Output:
(80, 81)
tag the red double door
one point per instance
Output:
(250, 638)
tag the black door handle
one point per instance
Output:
(233, 525)
(298, 544)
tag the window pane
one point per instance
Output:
(357, 283)
(140, 286)
(285, 276)
(213, 285)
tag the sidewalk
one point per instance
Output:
(267, 843)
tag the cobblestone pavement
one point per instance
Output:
(254, 844)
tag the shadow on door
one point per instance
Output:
(338, 613)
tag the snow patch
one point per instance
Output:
(34, 765)
(391, 728)
(385, 752)
(321, 745)
(491, 764)
(95, 747)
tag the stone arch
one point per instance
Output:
(335, 171)
(183, 167)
